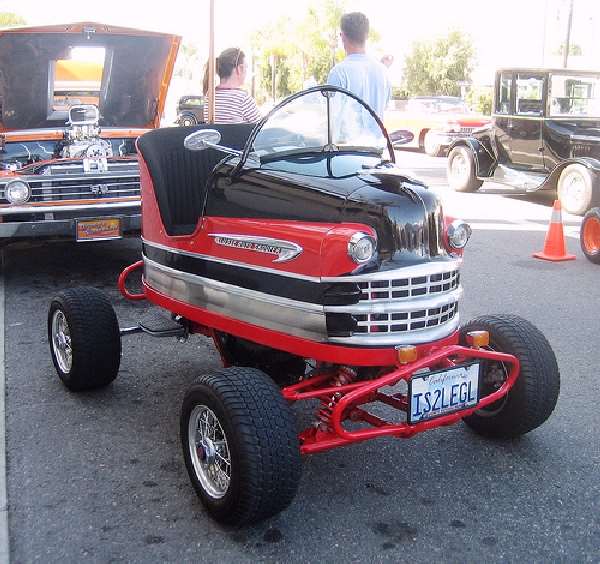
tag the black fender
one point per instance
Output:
(551, 182)
(483, 155)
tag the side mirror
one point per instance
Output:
(202, 139)
(401, 137)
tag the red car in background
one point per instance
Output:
(435, 122)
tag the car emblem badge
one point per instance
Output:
(285, 250)
(100, 189)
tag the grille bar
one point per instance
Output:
(411, 304)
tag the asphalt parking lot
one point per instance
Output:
(99, 477)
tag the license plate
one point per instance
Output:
(442, 392)
(98, 229)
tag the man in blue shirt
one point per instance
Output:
(359, 73)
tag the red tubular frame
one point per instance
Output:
(123, 279)
(355, 394)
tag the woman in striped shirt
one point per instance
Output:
(232, 103)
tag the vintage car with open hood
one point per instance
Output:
(321, 272)
(544, 135)
(72, 105)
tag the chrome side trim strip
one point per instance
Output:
(417, 337)
(279, 314)
(402, 305)
(232, 262)
(10, 210)
(402, 272)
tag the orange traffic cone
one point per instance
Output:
(554, 245)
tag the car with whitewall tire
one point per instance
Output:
(544, 135)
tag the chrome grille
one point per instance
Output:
(408, 305)
(86, 187)
(401, 322)
(400, 288)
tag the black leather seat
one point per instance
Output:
(179, 175)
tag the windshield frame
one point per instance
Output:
(292, 98)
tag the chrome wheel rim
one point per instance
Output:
(61, 341)
(209, 451)
(573, 191)
(459, 167)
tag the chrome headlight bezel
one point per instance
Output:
(458, 233)
(362, 247)
(14, 184)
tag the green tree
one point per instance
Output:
(300, 49)
(435, 67)
(8, 19)
(574, 50)
(480, 100)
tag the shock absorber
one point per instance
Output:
(343, 376)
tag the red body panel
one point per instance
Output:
(325, 245)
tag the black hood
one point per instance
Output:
(136, 73)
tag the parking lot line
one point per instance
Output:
(4, 544)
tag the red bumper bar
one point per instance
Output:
(123, 279)
(357, 393)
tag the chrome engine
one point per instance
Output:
(82, 137)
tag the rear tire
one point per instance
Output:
(256, 433)
(461, 170)
(534, 395)
(590, 235)
(84, 337)
(576, 190)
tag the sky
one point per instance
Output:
(505, 32)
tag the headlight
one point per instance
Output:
(458, 234)
(17, 192)
(361, 247)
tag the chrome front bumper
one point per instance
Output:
(57, 227)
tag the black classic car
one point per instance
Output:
(71, 107)
(544, 135)
(190, 110)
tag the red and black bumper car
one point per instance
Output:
(322, 273)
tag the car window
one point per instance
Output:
(530, 93)
(574, 95)
(504, 89)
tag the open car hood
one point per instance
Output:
(131, 85)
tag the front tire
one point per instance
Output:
(534, 395)
(576, 190)
(461, 170)
(84, 337)
(590, 235)
(240, 445)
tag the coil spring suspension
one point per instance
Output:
(344, 375)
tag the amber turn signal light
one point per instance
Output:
(406, 353)
(478, 339)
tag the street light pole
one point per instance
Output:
(568, 40)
